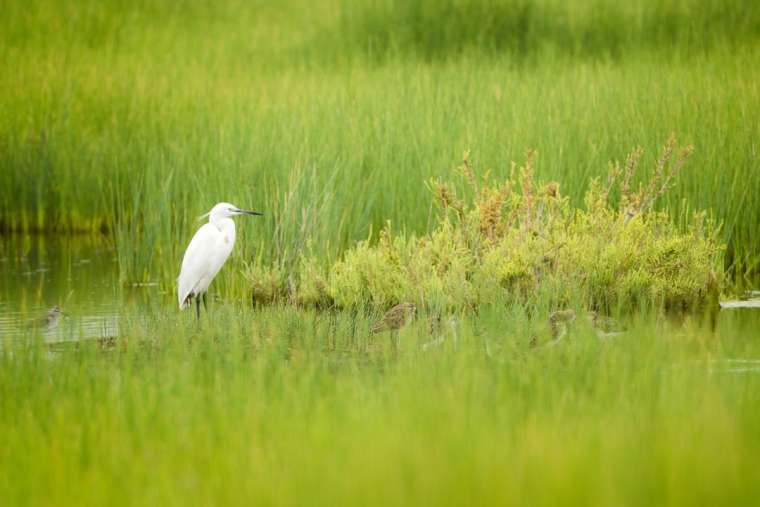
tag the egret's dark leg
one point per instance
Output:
(205, 304)
(198, 307)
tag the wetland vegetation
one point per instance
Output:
(346, 123)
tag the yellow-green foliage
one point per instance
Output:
(433, 271)
(646, 258)
(440, 267)
(371, 274)
(268, 283)
(518, 237)
(313, 288)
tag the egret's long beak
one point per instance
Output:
(246, 212)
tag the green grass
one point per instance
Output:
(133, 118)
(288, 407)
(137, 118)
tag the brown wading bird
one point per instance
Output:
(393, 320)
(51, 319)
(604, 326)
(560, 321)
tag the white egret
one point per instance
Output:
(207, 253)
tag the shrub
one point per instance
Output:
(518, 237)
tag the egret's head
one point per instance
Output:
(227, 210)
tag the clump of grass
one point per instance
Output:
(514, 238)
(281, 403)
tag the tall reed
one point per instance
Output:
(137, 127)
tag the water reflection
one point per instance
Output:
(78, 274)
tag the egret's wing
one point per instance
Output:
(196, 262)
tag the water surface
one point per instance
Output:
(79, 274)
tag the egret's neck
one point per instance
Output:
(224, 224)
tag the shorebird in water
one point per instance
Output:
(394, 319)
(51, 319)
(559, 323)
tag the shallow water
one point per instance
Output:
(752, 303)
(79, 274)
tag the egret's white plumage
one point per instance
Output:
(207, 252)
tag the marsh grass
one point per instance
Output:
(529, 30)
(130, 119)
(513, 238)
(266, 406)
(135, 119)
